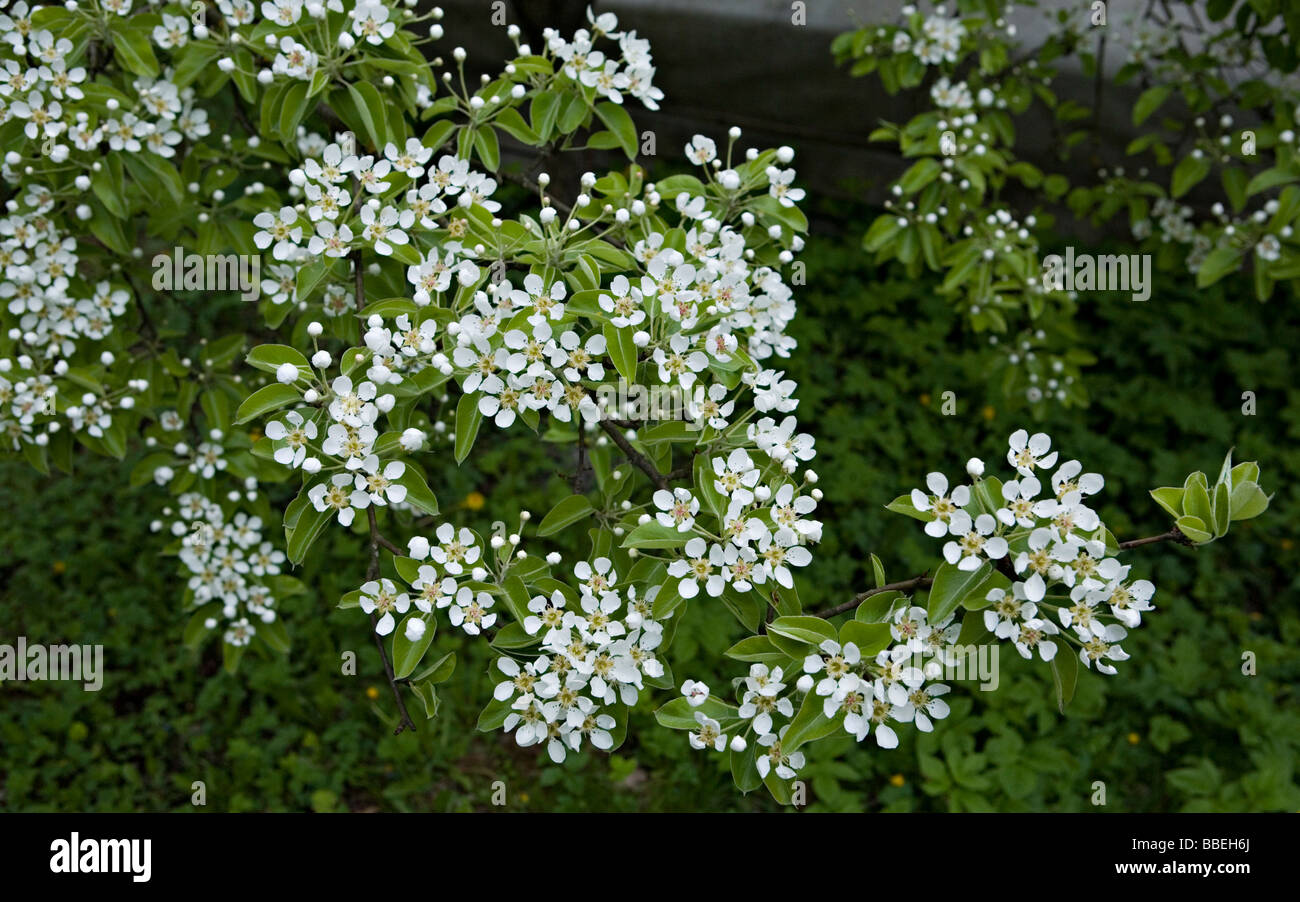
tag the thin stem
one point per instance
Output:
(372, 572)
(639, 460)
(907, 585)
(1174, 535)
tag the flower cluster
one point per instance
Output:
(864, 694)
(230, 567)
(339, 218)
(630, 73)
(1067, 577)
(598, 649)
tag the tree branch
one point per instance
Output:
(639, 460)
(1174, 535)
(372, 572)
(907, 585)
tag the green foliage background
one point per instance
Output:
(1180, 728)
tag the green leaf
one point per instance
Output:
(1170, 498)
(803, 628)
(1194, 528)
(543, 111)
(216, 407)
(622, 350)
(1065, 675)
(299, 538)
(132, 47)
(512, 636)
(668, 599)
(618, 121)
(1270, 178)
(1246, 471)
(424, 690)
(488, 148)
(903, 505)
(468, 419)
(655, 535)
(570, 510)
(678, 714)
(921, 173)
(370, 107)
(418, 493)
(877, 607)
(230, 656)
(407, 654)
(196, 628)
(1248, 500)
(1150, 101)
(264, 400)
(293, 106)
(743, 769)
(268, 359)
(757, 649)
(509, 121)
(1188, 173)
(107, 185)
(1196, 499)
(439, 671)
(951, 586)
(1217, 264)
(870, 638)
(274, 635)
(809, 724)
(1222, 505)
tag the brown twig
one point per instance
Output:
(376, 540)
(1174, 535)
(372, 572)
(582, 468)
(907, 585)
(635, 457)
